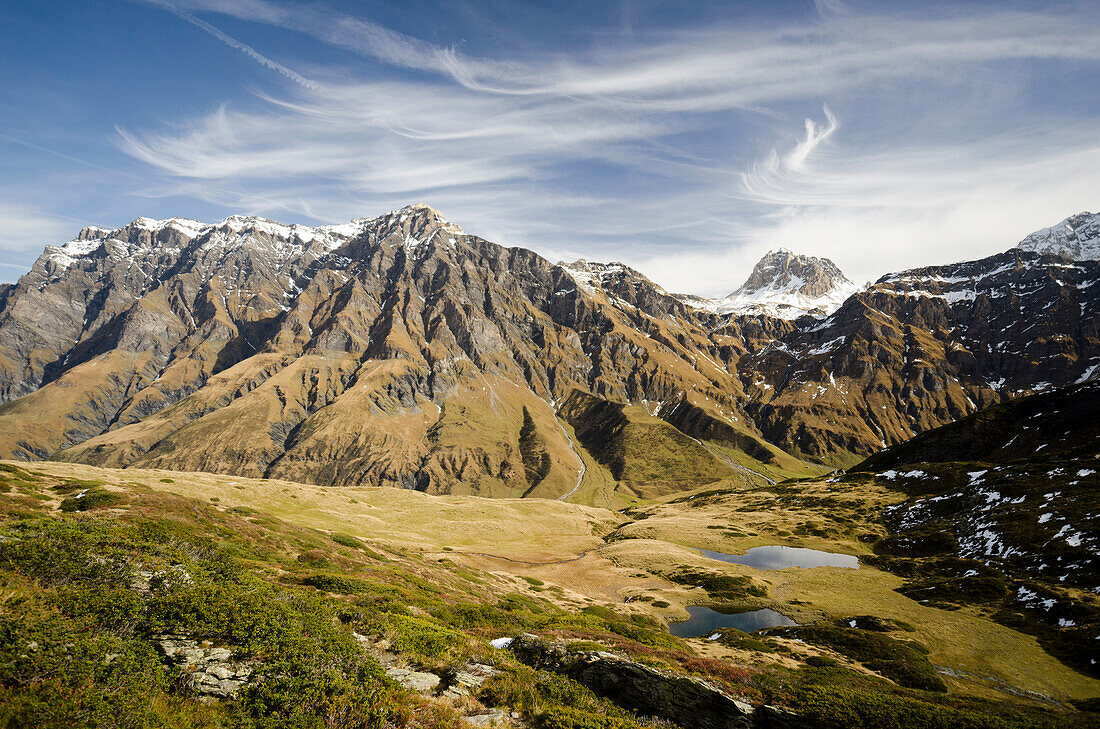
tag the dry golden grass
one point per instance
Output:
(526, 529)
(505, 536)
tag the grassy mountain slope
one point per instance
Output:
(1057, 425)
(1002, 512)
(423, 553)
(647, 455)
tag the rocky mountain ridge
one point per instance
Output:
(1002, 512)
(400, 350)
(1077, 238)
(249, 347)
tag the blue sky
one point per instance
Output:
(685, 139)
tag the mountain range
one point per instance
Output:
(399, 350)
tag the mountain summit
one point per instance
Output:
(786, 285)
(1077, 238)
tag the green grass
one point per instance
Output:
(719, 585)
(90, 499)
(289, 595)
(903, 661)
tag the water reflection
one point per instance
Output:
(705, 620)
(778, 558)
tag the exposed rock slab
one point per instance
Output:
(685, 700)
(211, 670)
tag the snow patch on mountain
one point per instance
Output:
(62, 257)
(229, 234)
(1077, 237)
(590, 275)
(785, 285)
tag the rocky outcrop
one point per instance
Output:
(1076, 238)
(684, 700)
(208, 669)
(458, 686)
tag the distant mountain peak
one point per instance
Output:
(593, 275)
(785, 273)
(1077, 238)
(786, 285)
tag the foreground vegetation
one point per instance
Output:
(95, 572)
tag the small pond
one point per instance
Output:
(705, 620)
(778, 558)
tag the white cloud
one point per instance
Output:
(234, 43)
(594, 152)
(827, 7)
(815, 135)
(873, 213)
(22, 228)
(716, 67)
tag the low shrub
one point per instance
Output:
(92, 499)
(904, 662)
(337, 584)
(346, 540)
(718, 585)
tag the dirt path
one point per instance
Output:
(580, 556)
(584, 468)
(732, 463)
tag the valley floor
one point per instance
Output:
(636, 560)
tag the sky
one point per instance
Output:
(683, 139)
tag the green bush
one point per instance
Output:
(564, 717)
(337, 584)
(738, 639)
(91, 499)
(718, 585)
(822, 662)
(54, 551)
(845, 707)
(427, 640)
(904, 662)
(551, 701)
(346, 540)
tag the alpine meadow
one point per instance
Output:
(741, 369)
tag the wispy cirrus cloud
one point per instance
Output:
(234, 43)
(23, 227)
(889, 209)
(713, 67)
(634, 147)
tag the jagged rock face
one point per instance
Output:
(785, 285)
(924, 347)
(396, 350)
(399, 350)
(783, 270)
(1077, 238)
(108, 288)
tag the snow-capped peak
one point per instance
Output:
(190, 228)
(592, 276)
(230, 233)
(785, 285)
(1077, 237)
(149, 236)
